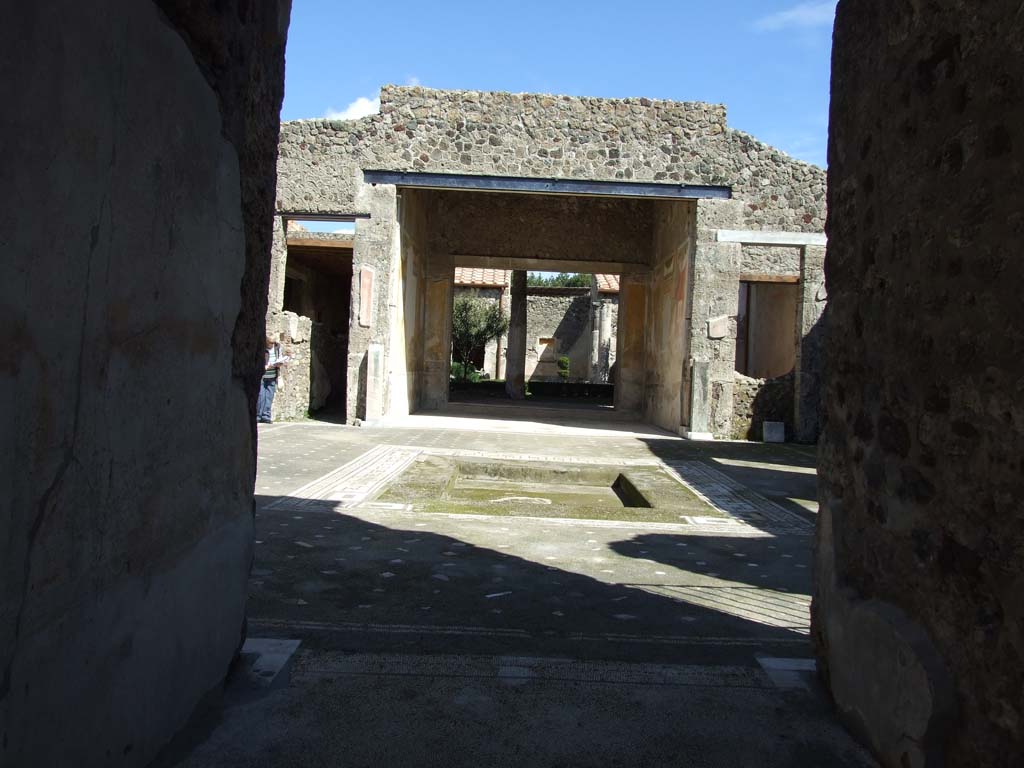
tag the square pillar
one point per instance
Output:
(278, 265)
(370, 317)
(714, 302)
(629, 386)
(437, 330)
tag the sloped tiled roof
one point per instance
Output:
(607, 283)
(481, 277)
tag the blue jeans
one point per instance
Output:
(266, 399)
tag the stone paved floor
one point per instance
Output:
(462, 639)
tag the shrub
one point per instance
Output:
(563, 367)
(465, 372)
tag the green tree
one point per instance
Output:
(474, 323)
(561, 280)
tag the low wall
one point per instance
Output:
(292, 398)
(755, 401)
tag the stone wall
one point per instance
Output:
(421, 130)
(134, 309)
(562, 316)
(292, 398)
(918, 604)
(755, 401)
(770, 260)
(536, 135)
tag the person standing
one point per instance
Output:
(268, 386)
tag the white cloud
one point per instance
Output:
(413, 81)
(799, 16)
(361, 107)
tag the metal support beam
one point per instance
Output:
(455, 181)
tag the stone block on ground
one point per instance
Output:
(774, 432)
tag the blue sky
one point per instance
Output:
(767, 61)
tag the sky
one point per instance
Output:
(767, 61)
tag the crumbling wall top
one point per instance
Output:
(544, 136)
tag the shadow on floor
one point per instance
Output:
(331, 413)
(424, 649)
(784, 473)
(327, 576)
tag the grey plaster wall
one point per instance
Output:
(133, 303)
(420, 129)
(919, 599)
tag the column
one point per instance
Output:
(515, 363)
(810, 344)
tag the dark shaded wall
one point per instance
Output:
(523, 226)
(919, 604)
(140, 169)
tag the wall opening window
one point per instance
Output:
(766, 328)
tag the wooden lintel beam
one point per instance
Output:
(319, 242)
(750, 277)
(549, 265)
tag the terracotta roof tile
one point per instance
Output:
(607, 283)
(481, 277)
